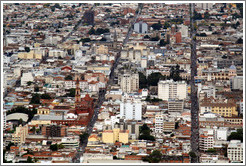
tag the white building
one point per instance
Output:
(129, 82)
(235, 151)
(26, 77)
(184, 31)
(141, 27)
(170, 89)
(159, 123)
(206, 140)
(237, 82)
(131, 110)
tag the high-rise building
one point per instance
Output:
(237, 82)
(131, 110)
(235, 151)
(170, 89)
(141, 27)
(175, 106)
(129, 82)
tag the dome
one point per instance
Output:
(233, 67)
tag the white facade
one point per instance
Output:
(26, 77)
(159, 123)
(235, 151)
(184, 31)
(169, 89)
(131, 110)
(129, 82)
(68, 84)
(237, 82)
(141, 27)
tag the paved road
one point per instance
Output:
(102, 94)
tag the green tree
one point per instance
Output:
(54, 147)
(68, 77)
(154, 78)
(35, 99)
(154, 157)
(29, 160)
(29, 83)
(154, 38)
(27, 49)
(145, 133)
(36, 89)
(240, 41)
(163, 42)
(156, 26)
(20, 121)
(9, 145)
(166, 25)
(212, 150)
(71, 92)
(83, 137)
(142, 80)
(236, 135)
(92, 31)
(84, 40)
(45, 96)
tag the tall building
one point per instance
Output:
(235, 151)
(169, 89)
(205, 6)
(159, 123)
(141, 27)
(129, 82)
(175, 106)
(54, 131)
(89, 17)
(131, 110)
(237, 82)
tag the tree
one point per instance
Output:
(212, 150)
(35, 99)
(154, 78)
(93, 59)
(166, 25)
(154, 157)
(142, 80)
(146, 37)
(27, 49)
(92, 31)
(29, 83)
(29, 160)
(156, 26)
(103, 39)
(54, 147)
(236, 135)
(83, 137)
(145, 133)
(163, 42)
(20, 121)
(36, 89)
(68, 77)
(175, 73)
(71, 92)
(154, 38)
(240, 41)
(45, 96)
(84, 40)
(9, 145)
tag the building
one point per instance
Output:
(110, 136)
(141, 27)
(131, 110)
(159, 123)
(237, 83)
(225, 109)
(175, 106)
(205, 6)
(206, 140)
(129, 82)
(20, 134)
(169, 89)
(54, 130)
(26, 77)
(235, 151)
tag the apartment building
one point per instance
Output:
(20, 134)
(131, 110)
(169, 89)
(129, 82)
(235, 151)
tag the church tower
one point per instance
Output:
(77, 91)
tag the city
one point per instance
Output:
(122, 83)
